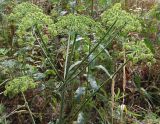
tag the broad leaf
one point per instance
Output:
(73, 65)
(104, 69)
(92, 82)
(80, 119)
(79, 92)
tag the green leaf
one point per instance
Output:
(149, 44)
(9, 63)
(39, 76)
(73, 65)
(104, 69)
(54, 1)
(3, 51)
(137, 80)
(79, 92)
(92, 82)
(106, 51)
(80, 119)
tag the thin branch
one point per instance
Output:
(26, 104)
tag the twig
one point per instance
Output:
(13, 112)
(26, 104)
(112, 98)
(4, 82)
(124, 82)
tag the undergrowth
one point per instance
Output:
(78, 62)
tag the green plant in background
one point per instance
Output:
(4, 30)
(128, 20)
(2, 113)
(155, 12)
(151, 21)
(130, 49)
(19, 85)
(27, 16)
(5, 3)
(150, 118)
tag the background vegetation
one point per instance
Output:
(79, 62)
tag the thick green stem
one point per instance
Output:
(65, 76)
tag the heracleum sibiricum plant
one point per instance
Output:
(26, 17)
(130, 23)
(31, 25)
(73, 25)
(22, 9)
(135, 50)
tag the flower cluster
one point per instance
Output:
(77, 23)
(18, 85)
(28, 17)
(22, 10)
(138, 51)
